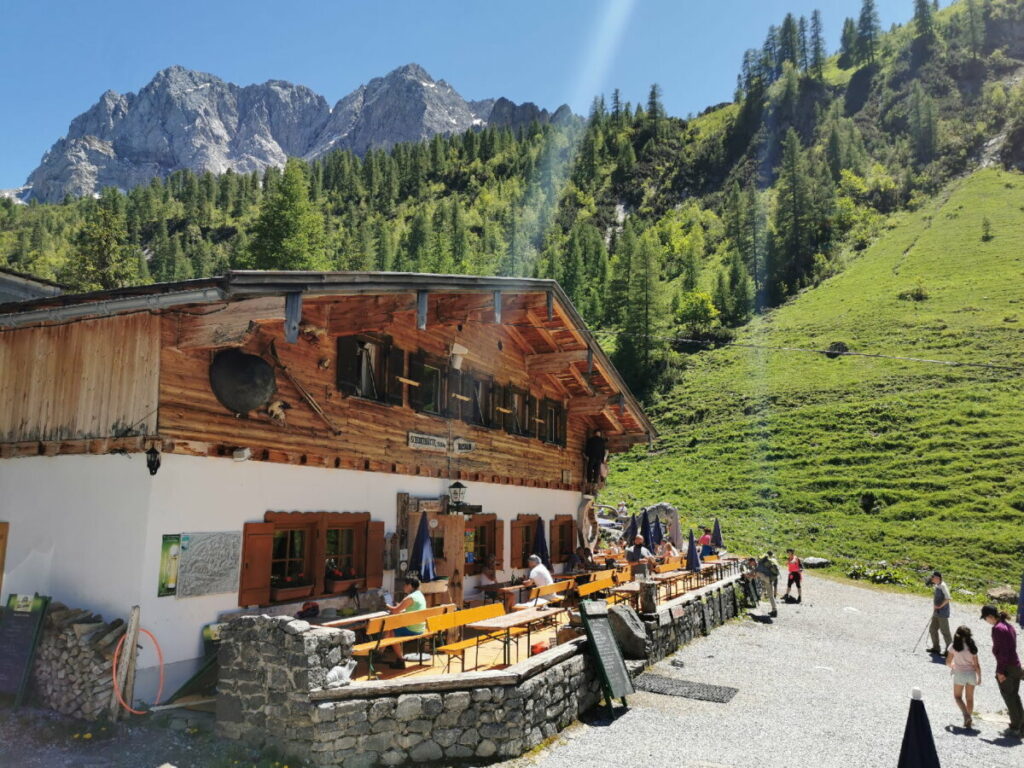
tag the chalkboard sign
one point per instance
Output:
(20, 623)
(614, 677)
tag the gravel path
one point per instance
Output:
(826, 684)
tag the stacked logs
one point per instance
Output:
(72, 670)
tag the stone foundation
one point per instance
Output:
(273, 673)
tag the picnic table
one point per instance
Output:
(630, 590)
(509, 621)
(355, 622)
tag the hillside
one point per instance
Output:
(864, 459)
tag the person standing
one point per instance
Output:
(795, 567)
(1008, 671)
(940, 614)
(596, 451)
(705, 544)
(759, 574)
(963, 663)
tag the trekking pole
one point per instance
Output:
(922, 635)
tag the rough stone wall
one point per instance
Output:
(269, 665)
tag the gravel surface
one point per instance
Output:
(827, 683)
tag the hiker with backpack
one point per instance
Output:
(759, 572)
(796, 570)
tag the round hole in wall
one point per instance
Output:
(337, 463)
(459, 327)
(500, 345)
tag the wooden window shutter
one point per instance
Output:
(555, 539)
(257, 548)
(563, 424)
(416, 361)
(516, 556)
(497, 418)
(541, 431)
(348, 365)
(374, 554)
(467, 391)
(395, 364)
(452, 404)
(499, 543)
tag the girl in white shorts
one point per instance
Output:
(962, 660)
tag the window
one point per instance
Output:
(523, 533)
(562, 538)
(340, 554)
(430, 389)
(437, 547)
(480, 392)
(552, 424)
(288, 563)
(428, 394)
(371, 368)
(328, 551)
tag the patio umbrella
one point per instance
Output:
(716, 536)
(693, 555)
(918, 750)
(422, 559)
(1020, 602)
(630, 533)
(540, 544)
(657, 535)
(645, 531)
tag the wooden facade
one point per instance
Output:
(145, 376)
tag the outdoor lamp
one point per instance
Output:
(153, 460)
(457, 495)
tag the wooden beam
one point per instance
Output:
(361, 314)
(590, 406)
(518, 339)
(227, 326)
(553, 362)
(583, 382)
(545, 334)
(609, 414)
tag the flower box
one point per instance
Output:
(284, 594)
(340, 586)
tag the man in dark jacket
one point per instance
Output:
(596, 451)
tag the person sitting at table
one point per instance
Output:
(638, 553)
(580, 560)
(413, 601)
(539, 576)
(489, 573)
(588, 560)
(666, 549)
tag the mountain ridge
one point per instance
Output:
(186, 119)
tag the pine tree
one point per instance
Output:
(642, 344)
(793, 212)
(975, 28)
(804, 50)
(789, 41)
(923, 123)
(817, 46)
(848, 44)
(289, 233)
(103, 260)
(868, 30)
(923, 22)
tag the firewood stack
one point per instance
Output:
(72, 671)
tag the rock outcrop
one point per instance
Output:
(192, 120)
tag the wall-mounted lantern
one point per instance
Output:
(456, 497)
(152, 460)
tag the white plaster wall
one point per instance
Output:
(88, 529)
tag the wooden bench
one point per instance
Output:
(536, 593)
(379, 628)
(623, 574)
(601, 575)
(669, 576)
(458, 620)
(598, 585)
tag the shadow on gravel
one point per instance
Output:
(1004, 741)
(760, 619)
(600, 716)
(958, 730)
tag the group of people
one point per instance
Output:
(763, 576)
(961, 653)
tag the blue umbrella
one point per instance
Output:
(693, 555)
(630, 533)
(918, 750)
(540, 544)
(657, 535)
(716, 536)
(1020, 603)
(422, 560)
(645, 531)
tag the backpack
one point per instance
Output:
(768, 567)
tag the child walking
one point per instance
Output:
(962, 660)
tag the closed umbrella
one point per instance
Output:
(918, 750)
(657, 535)
(422, 560)
(693, 555)
(716, 536)
(645, 531)
(1020, 603)
(630, 533)
(540, 544)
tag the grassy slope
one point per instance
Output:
(781, 445)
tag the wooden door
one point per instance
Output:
(3, 551)
(450, 528)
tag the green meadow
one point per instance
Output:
(868, 460)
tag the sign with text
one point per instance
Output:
(462, 445)
(20, 623)
(614, 676)
(439, 444)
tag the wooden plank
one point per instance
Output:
(126, 666)
(590, 406)
(553, 362)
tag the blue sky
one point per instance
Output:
(58, 57)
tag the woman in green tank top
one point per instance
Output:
(413, 601)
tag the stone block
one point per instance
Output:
(408, 740)
(393, 757)
(482, 694)
(445, 737)
(486, 748)
(296, 627)
(425, 752)
(420, 726)
(457, 701)
(458, 752)
(324, 713)
(376, 742)
(432, 704)
(381, 708)
(360, 760)
(629, 632)
(229, 709)
(470, 737)
(409, 707)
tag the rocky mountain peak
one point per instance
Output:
(186, 119)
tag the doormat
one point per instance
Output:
(669, 686)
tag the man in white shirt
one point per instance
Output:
(539, 576)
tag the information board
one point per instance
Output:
(614, 677)
(20, 622)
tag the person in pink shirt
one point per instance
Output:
(796, 571)
(962, 660)
(705, 544)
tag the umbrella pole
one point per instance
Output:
(922, 635)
